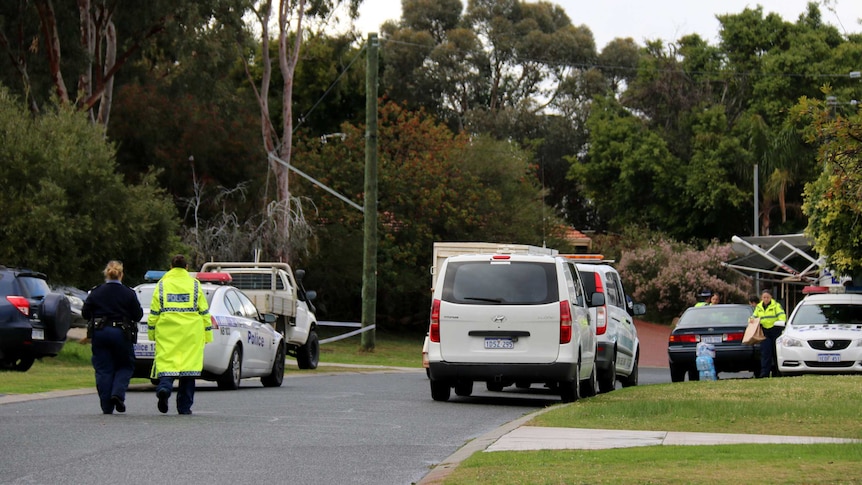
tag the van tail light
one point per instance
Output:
(601, 320)
(213, 322)
(683, 339)
(21, 303)
(599, 287)
(565, 323)
(434, 331)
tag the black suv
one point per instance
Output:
(34, 320)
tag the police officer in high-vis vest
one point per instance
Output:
(180, 325)
(112, 311)
(772, 320)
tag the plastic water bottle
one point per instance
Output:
(706, 368)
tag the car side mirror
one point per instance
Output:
(299, 274)
(310, 295)
(638, 309)
(597, 299)
(269, 318)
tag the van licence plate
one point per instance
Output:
(828, 357)
(499, 343)
(38, 334)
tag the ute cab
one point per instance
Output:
(824, 333)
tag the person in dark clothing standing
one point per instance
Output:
(113, 312)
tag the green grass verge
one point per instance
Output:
(730, 464)
(72, 369)
(805, 406)
(389, 350)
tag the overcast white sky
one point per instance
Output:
(650, 19)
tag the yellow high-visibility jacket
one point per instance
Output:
(180, 325)
(769, 315)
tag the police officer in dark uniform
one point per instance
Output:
(113, 311)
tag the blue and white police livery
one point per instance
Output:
(824, 333)
(245, 343)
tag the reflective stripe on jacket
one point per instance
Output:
(180, 325)
(769, 315)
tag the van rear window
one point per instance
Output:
(510, 283)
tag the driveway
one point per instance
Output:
(653, 339)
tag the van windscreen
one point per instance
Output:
(495, 283)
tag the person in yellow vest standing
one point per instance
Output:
(772, 320)
(180, 325)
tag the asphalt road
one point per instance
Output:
(357, 428)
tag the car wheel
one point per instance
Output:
(590, 386)
(463, 388)
(276, 377)
(632, 379)
(677, 373)
(308, 355)
(694, 374)
(18, 364)
(608, 378)
(440, 390)
(494, 386)
(56, 316)
(232, 375)
(570, 391)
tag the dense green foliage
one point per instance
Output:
(66, 211)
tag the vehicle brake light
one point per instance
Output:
(214, 323)
(434, 330)
(501, 256)
(21, 303)
(733, 337)
(684, 339)
(601, 320)
(565, 323)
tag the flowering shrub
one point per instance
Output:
(667, 275)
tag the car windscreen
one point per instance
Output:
(504, 283)
(826, 314)
(716, 316)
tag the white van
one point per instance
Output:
(508, 319)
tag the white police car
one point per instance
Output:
(245, 343)
(824, 333)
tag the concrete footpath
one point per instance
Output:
(514, 436)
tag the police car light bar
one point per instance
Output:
(153, 275)
(213, 277)
(833, 289)
(587, 258)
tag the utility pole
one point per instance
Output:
(756, 220)
(369, 265)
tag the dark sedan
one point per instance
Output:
(720, 325)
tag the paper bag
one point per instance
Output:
(753, 332)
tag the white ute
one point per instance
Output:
(274, 288)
